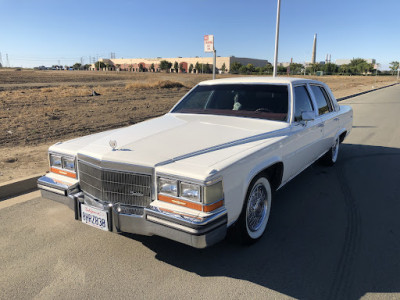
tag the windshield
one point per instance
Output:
(263, 101)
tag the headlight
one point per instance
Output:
(55, 161)
(191, 195)
(68, 164)
(190, 191)
(168, 186)
(63, 165)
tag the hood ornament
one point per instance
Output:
(113, 144)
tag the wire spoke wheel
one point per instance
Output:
(257, 207)
(256, 210)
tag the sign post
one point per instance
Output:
(278, 13)
(209, 47)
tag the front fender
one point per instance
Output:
(259, 168)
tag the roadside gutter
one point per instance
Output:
(18, 186)
(366, 92)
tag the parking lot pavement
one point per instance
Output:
(333, 234)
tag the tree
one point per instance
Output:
(281, 69)
(394, 66)
(360, 66)
(223, 68)
(190, 68)
(235, 67)
(243, 70)
(181, 68)
(268, 68)
(330, 68)
(165, 65)
(197, 67)
(77, 66)
(141, 69)
(176, 66)
(87, 66)
(207, 68)
(1, 65)
(102, 65)
(344, 69)
(296, 68)
(152, 67)
(314, 68)
(250, 68)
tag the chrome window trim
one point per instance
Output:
(329, 102)
(288, 85)
(313, 104)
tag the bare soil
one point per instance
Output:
(39, 108)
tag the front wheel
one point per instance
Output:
(255, 213)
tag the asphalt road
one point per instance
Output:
(334, 233)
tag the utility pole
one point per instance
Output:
(278, 11)
(214, 63)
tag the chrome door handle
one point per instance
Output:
(321, 125)
(336, 119)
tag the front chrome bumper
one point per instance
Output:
(199, 233)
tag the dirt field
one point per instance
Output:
(39, 108)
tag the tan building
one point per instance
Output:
(153, 64)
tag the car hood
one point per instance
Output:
(175, 137)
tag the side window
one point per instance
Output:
(323, 102)
(302, 102)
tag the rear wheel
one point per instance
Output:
(256, 209)
(331, 156)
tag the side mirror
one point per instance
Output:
(307, 116)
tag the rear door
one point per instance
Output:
(326, 115)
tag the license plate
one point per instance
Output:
(94, 217)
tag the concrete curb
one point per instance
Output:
(366, 92)
(28, 184)
(18, 186)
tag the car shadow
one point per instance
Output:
(334, 233)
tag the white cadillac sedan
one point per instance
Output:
(209, 165)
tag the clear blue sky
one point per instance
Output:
(41, 32)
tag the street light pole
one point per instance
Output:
(278, 11)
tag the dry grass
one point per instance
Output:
(162, 84)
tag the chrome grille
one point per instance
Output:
(115, 186)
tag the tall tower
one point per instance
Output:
(314, 51)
